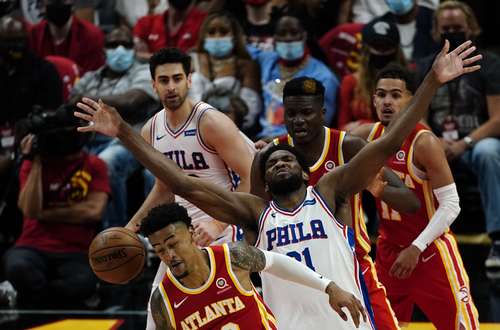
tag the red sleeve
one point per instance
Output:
(346, 92)
(24, 172)
(99, 172)
(141, 28)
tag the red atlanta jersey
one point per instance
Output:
(221, 303)
(401, 228)
(331, 157)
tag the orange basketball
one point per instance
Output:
(117, 255)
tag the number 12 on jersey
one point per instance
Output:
(305, 255)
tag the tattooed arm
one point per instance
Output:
(246, 259)
(159, 311)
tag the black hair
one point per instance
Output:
(267, 153)
(169, 55)
(163, 215)
(304, 86)
(396, 71)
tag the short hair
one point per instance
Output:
(163, 215)
(304, 86)
(396, 71)
(265, 156)
(465, 8)
(169, 55)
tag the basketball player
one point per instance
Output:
(417, 257)
(323, 149)
(202, 141)
(299, 220)
(210, 288)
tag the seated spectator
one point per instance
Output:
(177, 27)
(290, 60)
(64, 34)
(380, 46)
(68, 71)
(364, 11)
(414, 23)
(259, 23)
(465, 113)
(63, 195)
(222, 62)
(126, 84)
(341, 46)
(132, 10)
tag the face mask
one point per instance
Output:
(400, 7)
(256, 3)
(380, 61)
(119, 59)
(455, 38)
(218, 47)
(58, 14)
(179, 4)
(290, 51)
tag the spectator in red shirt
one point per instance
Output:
(64, 34)
(68, 72)
(177, 27)
(63, 195)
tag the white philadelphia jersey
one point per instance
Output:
(186, 147)
(313, 236)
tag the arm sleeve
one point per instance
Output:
(290, 269)
(447, 212)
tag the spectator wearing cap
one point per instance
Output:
(414, 23)
(290, 60)
(126, 84)
(64, 34)
(380, 46)
(177, 27)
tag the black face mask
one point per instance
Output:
(380, 61)
(179, 4)
(455, 38)
(58, 14)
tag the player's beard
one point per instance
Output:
(172, 106)
(285, 186)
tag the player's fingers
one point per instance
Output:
(394, 269)
(82, 116)
(461, 48)
(341, 313)
(361, 309)
(86, 108)
(84, 129)
(354, 314)
(90, 103)
(470, 69)
(467, 52)
(469, 61)
(446, 47)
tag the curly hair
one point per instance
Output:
(163, 215)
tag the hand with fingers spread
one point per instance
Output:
(102, 118)
(340, 299)
(450, 65)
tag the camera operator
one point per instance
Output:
(63, 194)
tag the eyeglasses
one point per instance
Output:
(115, 44)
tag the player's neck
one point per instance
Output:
(199, 272)
(311, 151)
(178, 117)
(291, 200)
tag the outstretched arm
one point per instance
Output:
(360, 171)
(251, 259)
(159, 312)
(233, 208)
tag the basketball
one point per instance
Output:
(117, 255)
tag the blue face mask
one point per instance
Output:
(219, 47)
(290, 51)
(120, 59)
(400, 7)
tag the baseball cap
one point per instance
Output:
(380, 33)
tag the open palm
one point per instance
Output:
(102, 118)
(448, 66)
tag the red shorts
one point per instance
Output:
(439, 285)
(382, 311)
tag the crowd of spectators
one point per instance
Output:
(53, 52)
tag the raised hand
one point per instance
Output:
(448, 66)
(102, 118)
